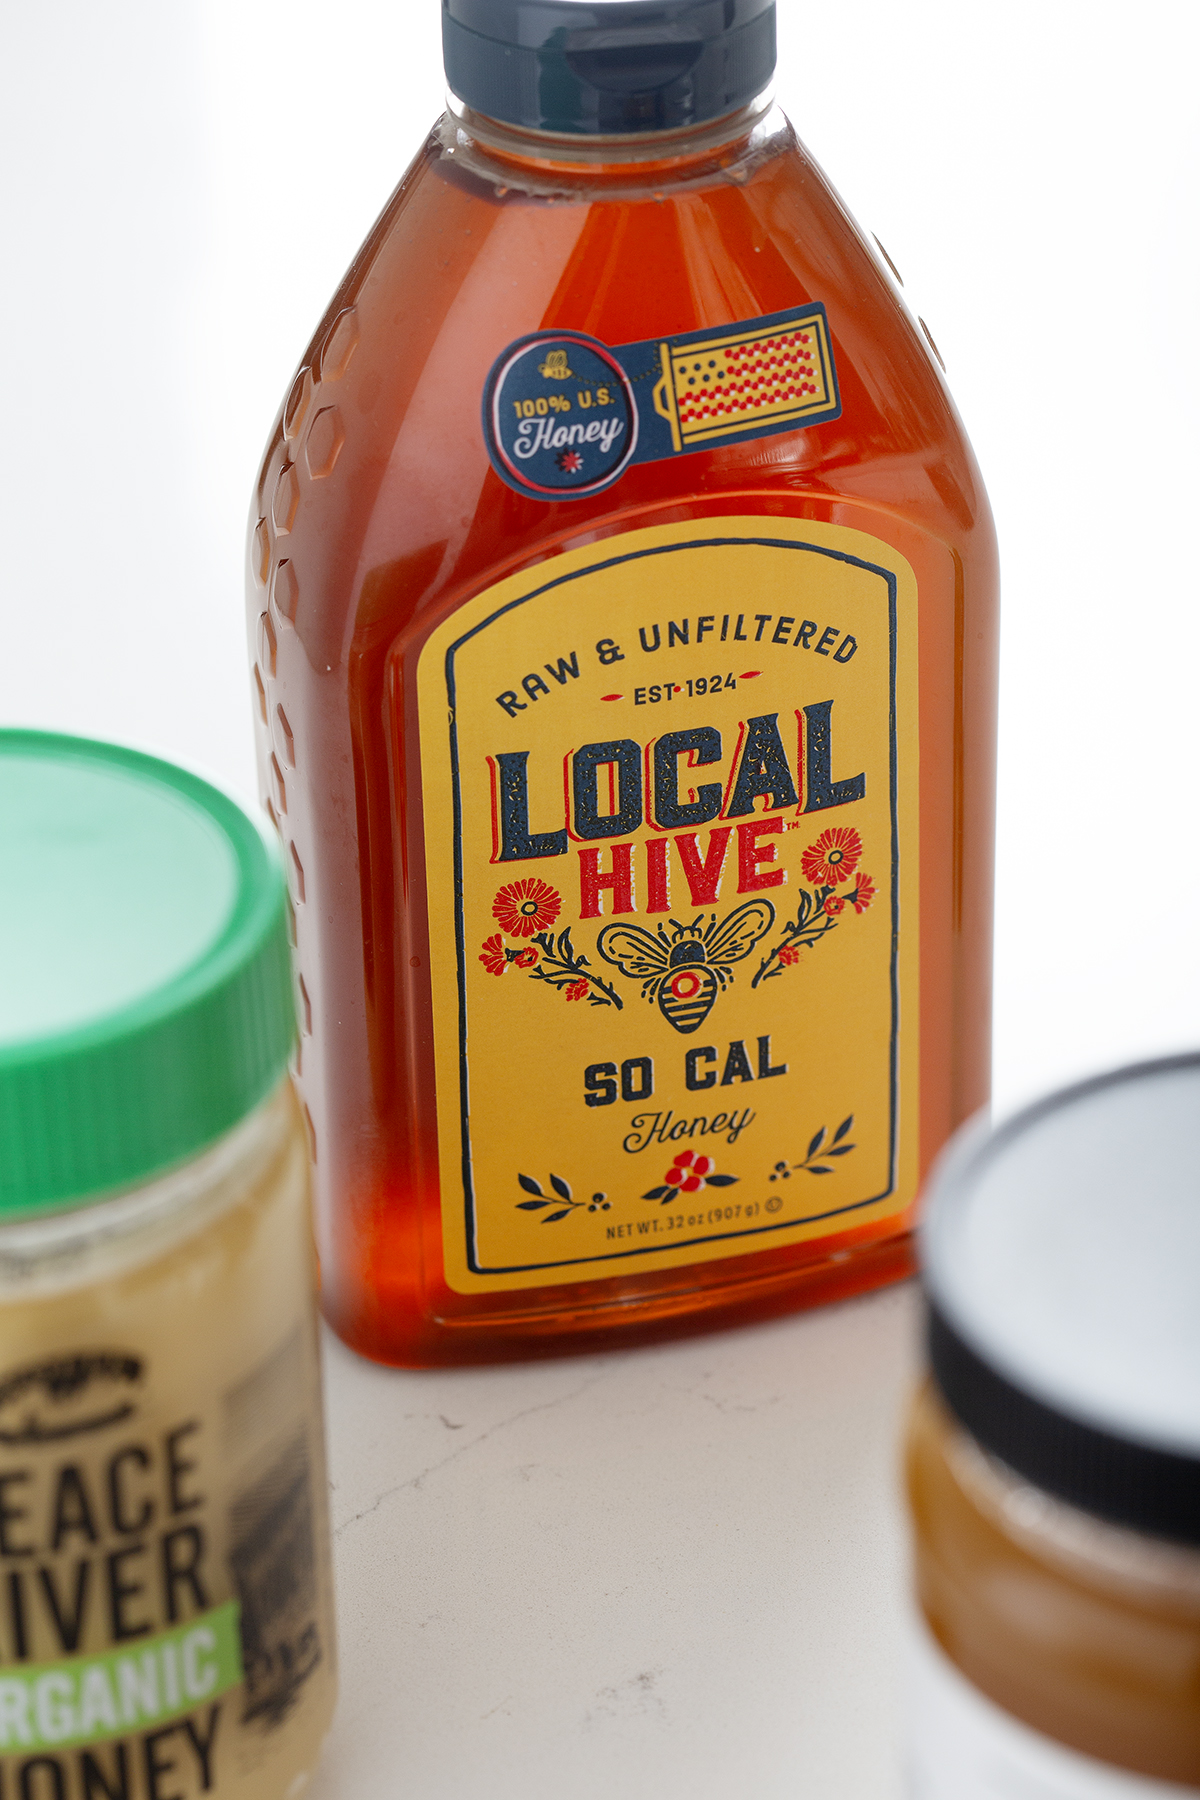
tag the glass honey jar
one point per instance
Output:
(166, 1614)
(1054, 1455)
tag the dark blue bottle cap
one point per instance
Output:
(591, 67)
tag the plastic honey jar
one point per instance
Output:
(622, 595)
(1054, 1457)
(166, 1624)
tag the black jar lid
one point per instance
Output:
(1061, 1262)
(607, 67)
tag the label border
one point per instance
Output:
(891, 583)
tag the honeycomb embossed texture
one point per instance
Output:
(326, 435)
(285, 500)
(286, 740)
(298, 403)
(285, 590)
(260, 554)
(341, 341)
(268, 644)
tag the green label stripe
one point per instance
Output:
(84, 1699)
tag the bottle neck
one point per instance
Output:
(673, 154)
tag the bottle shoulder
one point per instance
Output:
(466, 257)
(380, 450)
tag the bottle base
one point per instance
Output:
(627, 1320)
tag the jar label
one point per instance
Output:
(564, 415)
(670, 806)
(136, 1688)
(162, 1609)
(962, 1746)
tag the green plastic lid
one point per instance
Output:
(145, 994)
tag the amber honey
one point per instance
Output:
(1053, 1466)
(378, 519)
(1088, 1634)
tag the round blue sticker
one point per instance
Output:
(559, 417)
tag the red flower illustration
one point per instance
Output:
(577, 990)
(834, 857)
(688, 1171)
(524, 907)
(833, 904)
(570, 462)
(863, 894)
(789, 955)
(494, 957)
(526, 958)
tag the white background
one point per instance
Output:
(709, 1612)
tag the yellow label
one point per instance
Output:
(670, 796)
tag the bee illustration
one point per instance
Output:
(555, 366)
(687, 968)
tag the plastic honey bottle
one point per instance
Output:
(622, 593)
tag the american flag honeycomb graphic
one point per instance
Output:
(739, 382)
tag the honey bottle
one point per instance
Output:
(622, 594)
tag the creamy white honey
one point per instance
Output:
(165, 1600)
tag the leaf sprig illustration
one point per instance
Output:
(597, 1203)
(562, 968)
(819, 1153)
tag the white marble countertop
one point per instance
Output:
(674, 1571)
